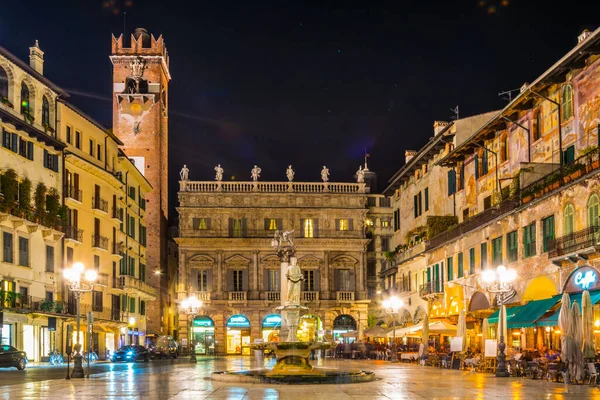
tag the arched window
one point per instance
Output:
(568, 219)
(537, 124)
(567, 102)
(24, 99)
(45, 112)
(503, 147)
(3, 84)
(592, 210)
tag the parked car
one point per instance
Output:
(11, 357)
(165, 347)
(131, 353)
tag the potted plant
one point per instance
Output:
(58, 307)
(47, 305)
(10, 188)
(28, 116)
(48, 128)
(52, 208)
(39, 199)
(25, 199)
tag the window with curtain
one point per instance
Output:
(568, 219)
(547, 232)
(45, 112)
(25, 106)
(567, 102)
(592, 210)
(237, 227)
(309, 228)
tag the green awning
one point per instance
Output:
(510, 312)
(552, 320)
(531, 312)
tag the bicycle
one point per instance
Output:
(93, 356)
(56, 358)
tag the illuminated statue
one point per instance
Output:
(360, 175)
(290, 173)
(219, 173)
(255, 173)
(325, 174)
(184, 173)
(295, 278)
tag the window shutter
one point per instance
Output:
(245, 280)
(244, 227)
(45, 158)
(301, 227)
(30, 150)
(316, 227)
(230, 227)
(14, 142)
(352, 277)
(317, 280)
(207, 223)
(55, 162)
(415, 206)
(267, 223)
(351, 224)
(266, 276)
(195, 223)
(336, 279)
(194, 278)
(209, 280)
(337, 224)
(230, 280)
(476, 159)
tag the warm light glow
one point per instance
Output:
(131, 320)
(480, 334)
(548, 329)
(393, 303)
(597, 323)
(91, 275)
(489, 275)
(557, 332)
(157, 271)
(191, 302)
(69, 274)
(78, 267)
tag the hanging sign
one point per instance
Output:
(583, 278)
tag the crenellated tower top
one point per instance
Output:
(142, 44)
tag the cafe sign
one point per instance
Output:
(238, 321)
(583, 278)
(272, 321)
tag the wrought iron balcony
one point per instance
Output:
(73, 233)
(100, 204)
(573, 242)
(431, 288)
(133, 285)
(100, 242)
(118, 248)
(74, 193)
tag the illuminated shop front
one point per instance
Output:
(342, 324)
(270, 328)
(238, 335)
(203, 331)
(310, 329)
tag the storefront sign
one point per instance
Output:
(272, 321)
(583, 278)
(203, 321)
(238, 321)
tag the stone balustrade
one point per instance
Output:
(271, 187)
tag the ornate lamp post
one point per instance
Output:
(499, 281)
(392, 306)
(78, 286)
(191, 306)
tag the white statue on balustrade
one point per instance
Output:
(294, 277)
(290, 173)
(325, 174)
(360, 175)
(219, 173)
(255, 173)
(184, 173)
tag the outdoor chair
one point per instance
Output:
(553, 374)
(532, 370)
(489, 364)
(593, 374)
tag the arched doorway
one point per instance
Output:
(342, 324)
(310, 328)
(270, 328)
(238, 335)
(539, 288)
(203, 334)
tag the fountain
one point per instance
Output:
(293, 364)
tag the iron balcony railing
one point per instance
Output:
(74, 193)
(117, 248)
(100, 242)
(572, 242)
(429, 288)
(73, 233)
(100, 204)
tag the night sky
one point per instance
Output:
(302, 83)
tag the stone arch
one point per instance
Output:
(405, 318)
(419, 315)
(479, 301)
(10, 76)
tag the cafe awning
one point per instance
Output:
(528, 314)
(552, 320)
(510, 312)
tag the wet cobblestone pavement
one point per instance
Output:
(190, 381)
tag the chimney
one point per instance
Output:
(583, 35)
(408, 154)
(36, 58)
(438, 126)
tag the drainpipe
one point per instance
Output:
(560, 150)
(528, 136)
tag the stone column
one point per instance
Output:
(283, 279)
(220, 280)
(325, 276)
(360, 281)
(182, 273)
(254, 276)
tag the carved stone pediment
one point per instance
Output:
(344, 262)
(201, 261)
(271, 261)
(310, 262)
(237, 261)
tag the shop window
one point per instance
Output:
(592, 210)
(567, 102)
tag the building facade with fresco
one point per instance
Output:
(524, 193)
(226, 259)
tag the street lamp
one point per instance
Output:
(499, 281)
(191, 306)
(392, 306)
(80, 281)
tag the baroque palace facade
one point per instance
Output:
(518, 188)
(226, 259)
(68, 193)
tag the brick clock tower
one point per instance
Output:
(140, 120)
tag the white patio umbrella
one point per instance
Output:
(587, 347)
(502, 329)
(485, 327)
(462, 329)
(565, 323)
(425, 335)
(577, 365)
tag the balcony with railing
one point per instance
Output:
(268, 234)
(271, 187)
(431, 288)
(410, 253)
(272, 296)
(238, 296)
(99, 204)
(103, 280)
(114, 213)
(99, 242)
(584, 241)
(117, 248)
(74, 193)
(203, 296)
(344, 295)
(309, 297)
(73, 233)
(133, 285)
